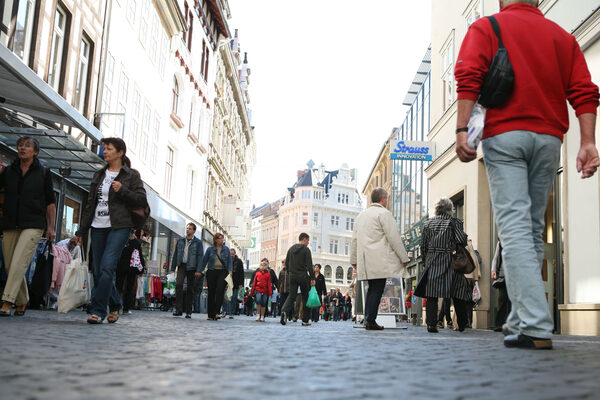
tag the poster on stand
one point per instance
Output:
(392, 299)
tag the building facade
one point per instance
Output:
(569, 267)
(325, 205)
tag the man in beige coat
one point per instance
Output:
(377, 252)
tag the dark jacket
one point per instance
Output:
(211, 255)
(299, 261)
(132, 194)
(238, 272)
(26, 198)
(320, 285)
(284, 281)
(195, 254)
(274, 280)
(125, 260)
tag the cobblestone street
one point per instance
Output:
(153, 355)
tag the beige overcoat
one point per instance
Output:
(377, 248)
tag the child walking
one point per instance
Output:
(262, 289)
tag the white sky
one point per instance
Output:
(328, 80)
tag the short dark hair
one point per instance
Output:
(318, 265)
(377, 194)
(119, 145)
(303, 236)
(34, 141)
(193, 225)
(234, 252)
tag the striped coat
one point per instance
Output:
(437, 243)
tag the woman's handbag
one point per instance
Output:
(74, 290)
(462, 262)
(139, 215)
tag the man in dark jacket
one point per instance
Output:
(321, 291)
(238, 281)
(283, 287)
(187, 257)
(300, 268)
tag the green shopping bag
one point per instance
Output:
(313, 298)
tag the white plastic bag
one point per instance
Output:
(229, 288)
(476, 125)
(476, 293)
(74, 291)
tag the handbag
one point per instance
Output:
(139, 215)
(500, 78)
(462, 262)
(74, 291)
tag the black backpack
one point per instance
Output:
(499, 81)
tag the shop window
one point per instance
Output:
(70, 221)
(349, 275)
(327, 272)
(339, 275)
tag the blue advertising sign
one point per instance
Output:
(411, 150)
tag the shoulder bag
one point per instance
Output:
(462, 262)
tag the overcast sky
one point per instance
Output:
(328, 80)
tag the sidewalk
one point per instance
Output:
(153, 355)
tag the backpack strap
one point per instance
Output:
(496, 29)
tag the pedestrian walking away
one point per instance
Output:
(29, 210)
(218, 263)
(238, 282)
(128, 269)
(283, 288)
(321, 289)
(302, 276)
(439, 237)
(187, 259)
(114, 191)
(499, 283)
(521, 144)
(262, 289)
(377, 252)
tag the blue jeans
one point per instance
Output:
(521, 167)
(261, 299)
(233, 302)
(107, 246)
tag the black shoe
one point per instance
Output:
(440, 324)
(5, 313)
(19, 313)
(527, 342)
(188, 315)
(305, 323)
(283, 319)
(373, 327)
(432, 329)
(177, 314)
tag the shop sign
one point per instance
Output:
(411, 150)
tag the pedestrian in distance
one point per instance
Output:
(127, 273)
(377, 252)
(302, 277)
(347, 307)
(321, 288)
(499, 283)
(274, 303)
(439, 236)
(521, 144)
(114, 191)
(218, 263)
(29, 210)
(283, 287)
(238, 281)
(262, 289)
(187, 259)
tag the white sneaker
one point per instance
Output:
(258, 319)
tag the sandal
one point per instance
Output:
(94, 319)
(113, 317)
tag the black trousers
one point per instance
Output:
(215, 280)
(504, 306)
(304, 285)
(373, 298)
(315, 313)
(445, 311)
(182, 273)
(126, 276)
(459, 307)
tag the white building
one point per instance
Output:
(323, 204)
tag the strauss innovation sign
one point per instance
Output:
(410, 150)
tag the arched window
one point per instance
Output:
(339, 275)
(327, 273)
(349, 275)
(175, 95)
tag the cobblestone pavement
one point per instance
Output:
(152, 355)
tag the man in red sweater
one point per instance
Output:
(522, 144)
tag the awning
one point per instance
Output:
(29, 106)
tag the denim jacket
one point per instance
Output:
(195, 253)
(211, 255)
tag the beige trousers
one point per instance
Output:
(18, 247)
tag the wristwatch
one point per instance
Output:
(464, 129)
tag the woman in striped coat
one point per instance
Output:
(439, 236)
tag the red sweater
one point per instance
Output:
(262, 282)
(549, 69)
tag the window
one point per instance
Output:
(286, 222)
(448, 75)
(146, 127)
(335, 221)
(333, 246)
(327, 272)
(164, 52)
(316, 219)
(346, 248)
(306, 194)
(135, 120)
(70, 222)
(83, 74)
(190, 188)
(23, 29)
(154, 147)
(349, 274)
(339, 275)
(204, 62)
(377, 181)
(56, 51)
(154, 38)
(108, 83)
(349, 224)
(175, 95)
(190, 30)
(304, 218)
(169, 171)
(145, 22)
(131, 10)
(473, 14)
(314, 243)
(343, 198)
